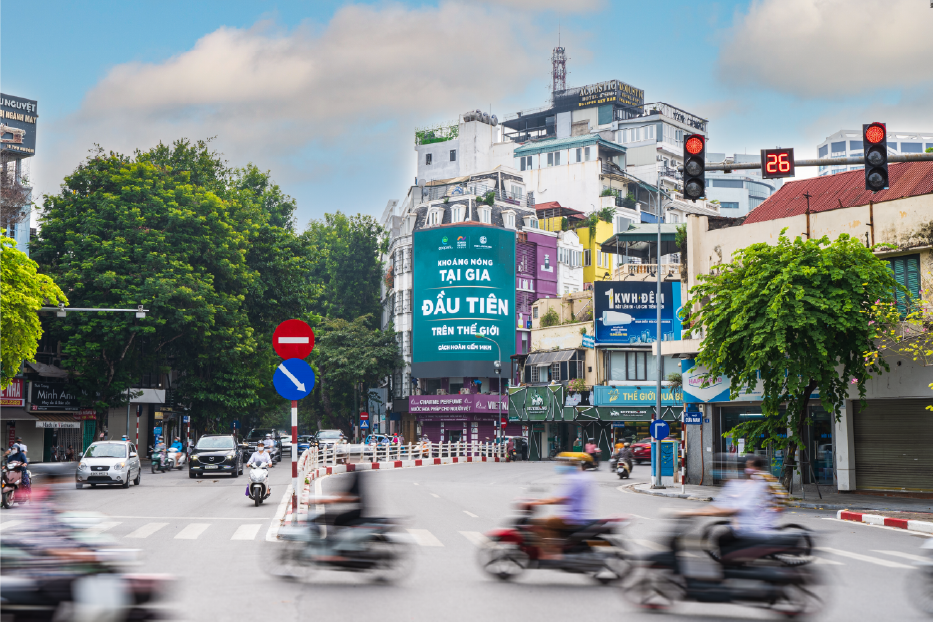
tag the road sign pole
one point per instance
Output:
(138, 413)
(294, 452)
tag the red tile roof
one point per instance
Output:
(906, 179)
(558, 210)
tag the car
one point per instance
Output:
(332, 439)
(259, 434)
(109, 462)
(215, 453)
(285, 442)
(305, 441)
(642, 450)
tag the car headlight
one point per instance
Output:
(82, 465)
(119, 466)
(230, 457)
(194, 458)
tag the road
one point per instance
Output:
(208, 534)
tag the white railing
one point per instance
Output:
(315, 457)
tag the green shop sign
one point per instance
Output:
(625, 413)
(464, 285)
(536, 403)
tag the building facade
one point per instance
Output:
(849, 143)
(739, 192)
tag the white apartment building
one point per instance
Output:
(849, 143)
(739, 192)
(570, 263)
(472, 145)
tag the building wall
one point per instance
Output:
(570, 278)
(576, 185)
(594, 272)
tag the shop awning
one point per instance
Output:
(640, 240)
(547, 358)
(49, 371)
(15, 414)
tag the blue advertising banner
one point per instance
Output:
(625, 312)
(641, 395)
(587, 341)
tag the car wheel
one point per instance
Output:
(126, 484)
(236, 471)
(79, 486)
(139, 477)
(191, 475)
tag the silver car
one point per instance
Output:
(109, 462)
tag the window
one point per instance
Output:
(636, 365)
(578, 154)
(547, 261)
(650, 132)
(484, 213)
(622, 224)
(556, 371)
(535, 373)
(586, 154)
(509, 220)
(457, 213)
(856, 145)
(928, 146)
(907, 270)
(427, 159)
(551, 159)
(587, 257)
(528, 162)
(534, 313)
(911, 148)
(525, 163)
(838, 147)
(434, 217)
(453, 155)
(822, 152)
(892, 146)
(726, 183)
(557, 158)
(729, 204)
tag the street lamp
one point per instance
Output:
(498, 369)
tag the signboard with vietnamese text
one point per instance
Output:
(476, 403)
(13, 395)
(464, 285)
(636, 395)
(625, 312)
(18, 117)
(45, 397)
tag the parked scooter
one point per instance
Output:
(13, 489)
(258, 490)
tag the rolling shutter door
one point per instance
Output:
(893, 442)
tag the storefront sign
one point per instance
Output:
(18, 118)
(58, 424)
(476, 403)
(587, 341)
(13, 395)
(625, 413)
(629, 396)
(717, 389)
(693, 418)
(607, 92)
(625, 312)
(464, 285)
(53, 397)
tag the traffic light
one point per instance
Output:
(875, 156)
(695, 153)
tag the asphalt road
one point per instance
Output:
(209, 535)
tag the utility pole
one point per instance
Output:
(657, 476)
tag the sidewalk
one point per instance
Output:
(832, 500)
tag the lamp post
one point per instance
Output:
(657, 463)
(498, 369)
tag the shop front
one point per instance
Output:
(462, 417)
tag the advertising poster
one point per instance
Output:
(625, 311)
(464, 284)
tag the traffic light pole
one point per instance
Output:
(910, 157)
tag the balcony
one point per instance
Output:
(632, 271)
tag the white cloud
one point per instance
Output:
(829, 48)
(309, 102)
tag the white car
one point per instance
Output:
(109, 462)
(286, 443)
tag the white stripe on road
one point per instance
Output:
(423, 537)
(245, 532)
(102, 527)
(863, 558)
(146, 530)
(476, 538)
(471, 514)
(827, 562)
(434, 495)
(914, 558)
(9, 523)
(192, 531)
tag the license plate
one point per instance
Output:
(211, 466)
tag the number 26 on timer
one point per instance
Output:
(778, 163)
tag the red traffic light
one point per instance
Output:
(694, 145)
(875, 133)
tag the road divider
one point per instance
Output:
(886, 521)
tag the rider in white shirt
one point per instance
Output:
(259, 457)
(269, 444)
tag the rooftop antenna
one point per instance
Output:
(558, 67)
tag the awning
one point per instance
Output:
(640, 240)
(15, 414)
(547, 358)
(49, 371)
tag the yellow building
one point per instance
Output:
(597, 264)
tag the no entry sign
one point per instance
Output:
(293, 339)
(364, 416)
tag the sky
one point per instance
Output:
(327, 95)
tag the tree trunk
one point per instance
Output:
(789, 464)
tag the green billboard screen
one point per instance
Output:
(464, 284)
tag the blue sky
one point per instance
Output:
(326, 94)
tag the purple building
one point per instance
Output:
(536, 277)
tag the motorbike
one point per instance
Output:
(374, 545)
(177, 458)
(623, 468)
(14, 491)
(753, 575)
(161, 461)
(919, 584)
(258, 490)
(595, 549)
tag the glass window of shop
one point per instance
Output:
(638, 431)
(820, 447)
(729, 418)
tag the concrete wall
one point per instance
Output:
(576, 185)
(567, 337)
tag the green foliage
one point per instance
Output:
(903, 329)
(681, 236)
(22, 292)
(550, 318)
(565, 225)
(578, 384)
(674, 378)
(795, 316)
(487, 198)
(608, 192)
(606, 214)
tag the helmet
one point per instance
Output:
(269, 436)
(625, 444)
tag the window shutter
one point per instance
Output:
(913, 275)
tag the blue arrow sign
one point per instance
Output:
(659, 429)
(294, 379)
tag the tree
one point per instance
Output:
(796, 317)
(22, 292)
(14, 194)
(349, 355)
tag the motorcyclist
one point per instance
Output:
(15, 455)
(576, 501)
(594, 451)
(159, 451)
(626, 455)
(177, 446)
(269, 444)
(259, 457)
(354, 497)
(751, 504)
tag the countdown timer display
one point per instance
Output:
(778, 163)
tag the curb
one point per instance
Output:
(670, 495)
(877, 519)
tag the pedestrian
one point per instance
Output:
(70, 454)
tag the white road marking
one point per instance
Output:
(471, 514)
(863, 558)
(245, 532)
(649, 544)
(827, 562)
(914, 558)
(192, 531)
(9, 523)
(434, 495)
(476, 538)
(102, 527)
(416, 483)
(146, 530)
(423, 537)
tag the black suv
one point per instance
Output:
(215, 453)
(259, 435)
